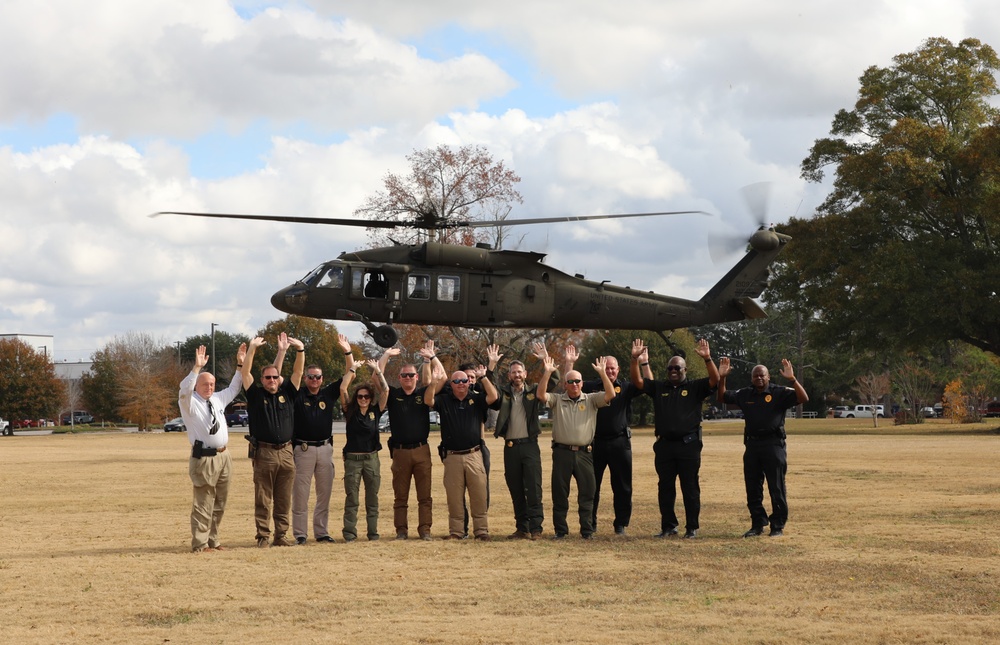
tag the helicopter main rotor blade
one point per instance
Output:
(757, 197)
(569, 218)
(441, 224)
(367, 223)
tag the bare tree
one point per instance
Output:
(871, 388)
(464, 184)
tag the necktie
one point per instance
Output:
(215, 420)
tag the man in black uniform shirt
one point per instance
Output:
(517, 424)
(613, 438)
(409, 449)
(462, 414)
(270, 408)
(312, 441)
(677, 404)
(765, 457)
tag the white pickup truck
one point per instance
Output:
(5, 427)
(864, 412)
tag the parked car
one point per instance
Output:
(991, 409)
(79, 418)
(174, 425)
(30, 423)
(840, 411)
(383, 422)
(435, 418)
(865, 412)
(928, 412)
(5, 428)
(237, 418)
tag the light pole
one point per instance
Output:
(214, 325)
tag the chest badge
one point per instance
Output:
(530, 397)
(684, 392)
(371, 415)
(281, 398)
(322, 405)
(767, 399)
(583, 406)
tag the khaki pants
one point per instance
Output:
(412, 463)
(358, 468)
(463, 472)
(273, 479)
(314, 461)
(210, 476)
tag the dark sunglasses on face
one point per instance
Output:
(314, 377)
(364, 396)
(459, 381)
(407, 374)
(674, 368)
(271, 378)
(574, 381)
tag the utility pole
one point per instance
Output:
(214, 325)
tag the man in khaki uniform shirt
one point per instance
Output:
(574, 422)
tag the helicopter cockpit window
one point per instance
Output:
(370, 283)
(418, 287)
(333, 278)
(448, 288)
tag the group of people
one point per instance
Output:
(291, 441)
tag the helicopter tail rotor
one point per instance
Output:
(722, 245)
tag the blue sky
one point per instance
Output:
(114, 110)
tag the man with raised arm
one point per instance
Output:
(270, 407)
(764, 457)
(210, 465)
(409, 447)
(462, 412)
(312, 443)
(613, 438)
(517, 424)
(677, 406)
(574, 422)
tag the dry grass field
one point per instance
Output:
(893, 537)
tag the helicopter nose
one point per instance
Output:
(291, 299)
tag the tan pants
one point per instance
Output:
(463, 472)
(314, 461)
(412, 463)
(273, 479)
(210, 476)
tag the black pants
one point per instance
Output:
(522, 465)
(566, 466)
(614, 455)
(678, 460)
(486, 465)
(766, 460)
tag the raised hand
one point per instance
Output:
(600, 364)
(538, 351)
(571, 354)
(638, 348)
(200, 357)
(241, 354)
(297, 344)
(703, 350)
(724, 367)
(257, 342)
(493, 354)
(345, 344)
(786, 369)
(283, 343)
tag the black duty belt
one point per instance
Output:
(408, 446)
(464, 452)
(517, 442)
(563, 446)
(679, 438)
(273, 446)
(314, 444)
(208, 452)
(763, 437)
(611, 437)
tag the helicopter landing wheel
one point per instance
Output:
(384, 336)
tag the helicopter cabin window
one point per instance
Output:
(333, 279)
(418, 287)
(448, 288)
(370, 283)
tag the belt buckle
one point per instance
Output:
(304, 446)
(510, 444)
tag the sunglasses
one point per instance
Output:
(364, 396)
(674, 368)
(574, 381)
(271, 378)
(407, 375)
(459, 381)
(314, 377)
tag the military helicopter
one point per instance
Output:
(433, 283)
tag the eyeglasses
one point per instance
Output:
(314, 377)
(674, 368)
(407, 374)
(573, 381)
(271, 378)
(459, 381)
(364, 396)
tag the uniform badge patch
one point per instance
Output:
(618, 389)
(281, 398)
(530, 396)
(583, 406)
(767, 399)
(371, 415)
(420, 400)
(322, 405)
(684, 392)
